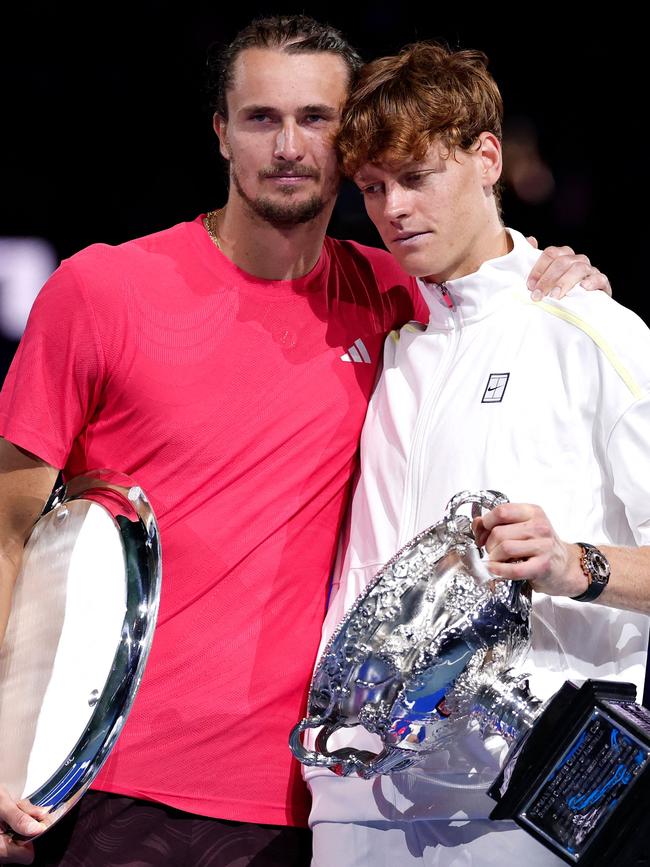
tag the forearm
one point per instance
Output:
(16, 521)
(629, 582)
(9, 567)
(25, 484)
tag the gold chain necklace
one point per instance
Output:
(210, 222)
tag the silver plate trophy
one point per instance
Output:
(83, 616)
(432, 648)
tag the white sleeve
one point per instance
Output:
(628, 452)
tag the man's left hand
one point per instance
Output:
(522, 545)
(559, 269)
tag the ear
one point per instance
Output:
(220, 126)
(491, 158)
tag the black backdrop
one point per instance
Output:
(106, 133)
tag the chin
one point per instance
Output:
(285, 213)
(413, 265)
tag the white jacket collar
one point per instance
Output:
(478, 294)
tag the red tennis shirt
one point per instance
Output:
(237, 404)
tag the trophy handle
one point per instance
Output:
(310, 757)
(481, 501)
(347, 760)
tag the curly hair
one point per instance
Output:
(401, 104)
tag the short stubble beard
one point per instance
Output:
(282, 215)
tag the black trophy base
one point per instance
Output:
(579, 780)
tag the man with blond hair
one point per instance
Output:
(549, 403)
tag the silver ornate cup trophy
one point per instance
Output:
(431, 648)
(81, 625)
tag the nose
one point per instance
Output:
(289, 142)
(396, 206)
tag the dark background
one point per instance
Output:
(106, 135)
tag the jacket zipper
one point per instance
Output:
(414, 470)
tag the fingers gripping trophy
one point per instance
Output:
(433, 647)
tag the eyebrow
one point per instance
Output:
(327, 111)
(360, 178)
(256, 109)
(404, 168)
(364, 174)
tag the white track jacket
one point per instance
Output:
(548, 402)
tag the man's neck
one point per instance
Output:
(493, 243)
(267, 251)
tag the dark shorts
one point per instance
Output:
(114, 831)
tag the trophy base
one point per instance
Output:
(578, 781)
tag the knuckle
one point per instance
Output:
(541, 527)
(490, 519)
(553, 272)
(571, 266)
(21, 823)
(519, 570)
(574, 271)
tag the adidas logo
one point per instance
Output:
(357, 353)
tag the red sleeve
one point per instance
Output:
(409, 305)
(54, 382)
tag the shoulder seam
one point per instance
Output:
(598, 339)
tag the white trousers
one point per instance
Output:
(427, 843)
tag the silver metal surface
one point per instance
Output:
(82, 622)
(417, 656)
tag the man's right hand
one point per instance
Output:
(23, 818)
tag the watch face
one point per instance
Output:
(598, 564)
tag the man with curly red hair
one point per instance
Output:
(548, 402)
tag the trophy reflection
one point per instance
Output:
(432, 647)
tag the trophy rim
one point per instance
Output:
(143, 578)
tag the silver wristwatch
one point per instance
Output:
(596, 567)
